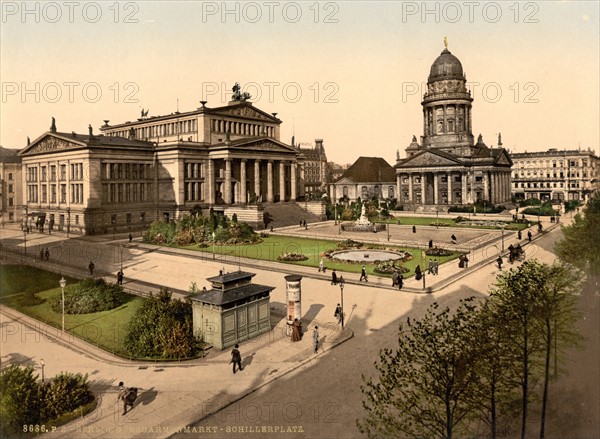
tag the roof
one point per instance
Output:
(370, 170)
(219, 297)
(446, 66)
(9, 155)
(83, 140)
(231, 277)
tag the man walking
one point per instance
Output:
(120, 277)
(519, 235)
(123, 396)
(400, 280)
(91, 267)
(363, 274)
(499, 261)
(339, 313)
(130, 237)
(236, 358)
(333, 277)
(316, 339)
(529, 235)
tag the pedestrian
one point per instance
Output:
(395, 278)
(529, 235)
(499, 261)
(47, 254)
(120, 277)
(339, 313)
(453, 239)
(130, 237)
(431, 243)
(461, 261)
(316, 339)
(236, 358)
(436, 267)
(430, 267)
(128, 396)
(418, 274)
(466, 261)
(300, 223)
(296, 330)
(519, 235)
(540, 228)
(363, 274)
(400, 280)
(414, 229)
(321, 266)
(334, 277)
(91, 267)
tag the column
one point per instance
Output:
(256, 179)
(294, 195)
(210, 187)
(425, 121)
(398, 193)
(449, 177)
(423, 189)
(203, 173)
(445, 121)
(227, 190)
(302, 185)
(463, 177)
(281, 181)
(243, 195)
(486, 185)
(270, 181)
(411, 197)
(436, 186)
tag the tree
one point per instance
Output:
(161, 327)
(557, 315)
(422, 388)
(581, 243)
(19, 399)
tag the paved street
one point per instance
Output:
(291, 386)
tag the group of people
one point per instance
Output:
(433, 267)
(397, 279)
(463, 261)
(515, 252)
(45, 254)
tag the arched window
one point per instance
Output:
(391, 192)
(345, 191)
(364, 193)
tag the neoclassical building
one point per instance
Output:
(447, 167)
(368, 177)
(229, 158)
(555, 175)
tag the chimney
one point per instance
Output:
(319, 145)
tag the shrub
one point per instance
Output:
(349, 243)
(66, 393)
(19, 397)
(388, 267)
(438, 252)
(161, 327)
(292, 257)
(530, 202)
(88, 296)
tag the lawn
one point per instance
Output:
(428, 221)
(104, 329)
(273, 246)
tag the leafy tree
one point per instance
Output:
(19, 399)
(161, 327)
(66, 392)
(422, 388)
(581, 243)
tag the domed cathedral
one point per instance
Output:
(447, 167)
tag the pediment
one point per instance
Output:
(429, 158)
(503, 159)
(267, 145)
(50, 143)
(245, 111)
(344, 180)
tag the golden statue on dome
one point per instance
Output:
(446, 42)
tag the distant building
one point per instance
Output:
(11, 186)
(555, 175)
(368, 177)
(315, 167)
(336, 171)
(447, 167)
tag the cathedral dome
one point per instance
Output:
(446, 66)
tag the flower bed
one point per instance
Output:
(389, 267)
(292, 257)
(436, 251)
(349, 243)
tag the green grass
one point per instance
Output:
(104, 329)
(273, 246)
(428, 221)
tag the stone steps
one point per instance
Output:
(288, 214)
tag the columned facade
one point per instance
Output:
(447, 167)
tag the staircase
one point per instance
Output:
(288, 214)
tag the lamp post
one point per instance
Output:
(388, 231)
(42, 364)
(63, 283)
(121, 255)
(341, 282)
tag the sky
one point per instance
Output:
(351, 72)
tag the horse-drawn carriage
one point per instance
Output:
(516, 253)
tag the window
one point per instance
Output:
(345, 191)
(43, 173)
(10, 188)
(10, 177)
(63, 172)
(391, 192)
(10, 202)
(44, 193)
(63, 193)
(77, 219)
(478, 179)
(128, 218)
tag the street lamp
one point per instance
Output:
(63, 283)
(42, 364)
(341, 282)
(213, 237)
